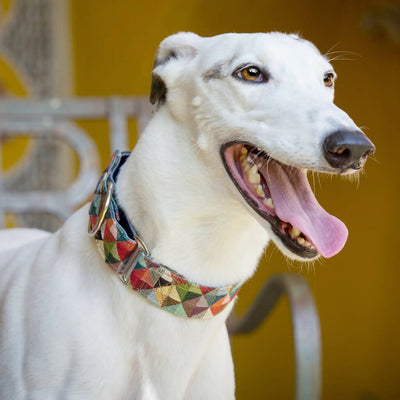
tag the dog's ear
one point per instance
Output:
(180, 45)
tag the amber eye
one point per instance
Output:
(329, 79)
(251, 74)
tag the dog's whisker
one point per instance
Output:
(340, 58)
(375, 159)
(313, 180)
(319, 180)
(341, 55)
(343, 52)
(331, 49)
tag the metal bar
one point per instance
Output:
(306, 329)
(2, 213)
(118, 127)
(77, 108)
(144, 111)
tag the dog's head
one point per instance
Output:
(261, 110)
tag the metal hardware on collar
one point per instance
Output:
(142, 244)
(125, 273)
(104, 208)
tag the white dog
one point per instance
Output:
(219, 171)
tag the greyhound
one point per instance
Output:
(136, 307)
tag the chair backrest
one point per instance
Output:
(53, 118)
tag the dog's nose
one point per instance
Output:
(346, 149)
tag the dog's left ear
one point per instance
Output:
(180, 45)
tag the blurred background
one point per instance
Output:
(100, 48)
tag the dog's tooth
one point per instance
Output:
(259, 190)
(254, 169)
(301, 241)
(254, 177)
(244, 160)
(268, 203)
(294, 233)
(307, 243)
(312, 247)
(243, 150)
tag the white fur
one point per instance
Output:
(69, 328)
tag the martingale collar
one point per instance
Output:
(126, 254)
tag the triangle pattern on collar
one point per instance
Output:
(126, 254)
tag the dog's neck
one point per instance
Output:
(185, 211)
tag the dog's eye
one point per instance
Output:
(251, 74)
(329, 79)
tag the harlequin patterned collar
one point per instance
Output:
(126, 254)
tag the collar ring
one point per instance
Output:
(104, 208)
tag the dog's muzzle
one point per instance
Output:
(345, 149)
(282, 196)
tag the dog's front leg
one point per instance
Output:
(214, 377)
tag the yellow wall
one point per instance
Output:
(357, 291)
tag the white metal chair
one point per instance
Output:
(54, 118)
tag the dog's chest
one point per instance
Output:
(145, 353)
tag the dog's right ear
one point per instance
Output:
(180, 45)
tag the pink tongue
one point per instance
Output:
(295, 203)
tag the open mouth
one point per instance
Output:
(281, 195)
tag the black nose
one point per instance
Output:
(346, 149)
